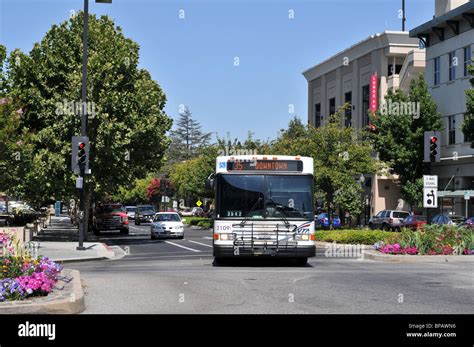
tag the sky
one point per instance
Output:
(236, 64)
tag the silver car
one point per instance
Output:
(167, 224)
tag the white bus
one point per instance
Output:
(263, 207)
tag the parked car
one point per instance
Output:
(442, 219)
(414, 222)
(167, 224)
(144, 214)
(186, 212)
(469, 223)
(130, 211)
(322, 221)
(197, 211)
(111, 216)
(388, 220)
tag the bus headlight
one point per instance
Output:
(302, 237)
(227, 237)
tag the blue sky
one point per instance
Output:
(193, 58)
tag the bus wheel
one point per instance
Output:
(218, 261)
(301, 261)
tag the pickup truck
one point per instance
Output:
(110, 217)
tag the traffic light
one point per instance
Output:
(433, 148)
(81, 153)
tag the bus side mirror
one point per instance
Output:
(210, 183)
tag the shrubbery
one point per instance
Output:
(432, 240)
(354, 236)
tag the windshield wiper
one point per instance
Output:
(242, 224)
(282, 212)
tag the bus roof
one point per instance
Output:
(306, 166)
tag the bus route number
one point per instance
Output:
(223, 228)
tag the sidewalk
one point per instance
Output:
(59, 242)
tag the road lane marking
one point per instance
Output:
(177, 245)
(136, 228)
(207, 237)
(199, 243)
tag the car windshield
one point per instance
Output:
(111, 208)
(397, 214)
(167, 217)
(265, 196)
(130, 209)
(146, 209)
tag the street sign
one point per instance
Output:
(467, 196)
(430, 181)
(430, 197)
(199, 203)
(79, 182)
(165, 199)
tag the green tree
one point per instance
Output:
(400, 135)
(340, 156)
(188, 178)
(468, 125)
(126, 131)
(187, 138)
(135, 193)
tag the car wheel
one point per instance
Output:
(181, 237)
(301, 261)
(385, 227)
(124, 231)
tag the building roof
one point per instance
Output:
(454, 14)
(361, 48)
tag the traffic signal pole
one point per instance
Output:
(82, 213)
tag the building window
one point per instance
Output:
(451, 130)
(332, 106)
(452, 66)
(437, 71)
(467, 59)
(365, 105)
(317, 115)
(394, 69)
(348, 113)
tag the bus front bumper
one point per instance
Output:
(221, 251)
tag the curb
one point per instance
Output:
(377, 256)
(331, 244)
(69, 300)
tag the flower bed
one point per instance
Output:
(431, 240)
(23, 276)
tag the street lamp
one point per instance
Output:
(85, 44)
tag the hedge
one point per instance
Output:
(356, 236)
(207, 224)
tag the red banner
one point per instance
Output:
(373, 98)
(373, 93)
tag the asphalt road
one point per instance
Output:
(177, 276)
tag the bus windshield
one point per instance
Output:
(265, 196)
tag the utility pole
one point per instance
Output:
(83, 224)
(404, 17)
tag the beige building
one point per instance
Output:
(395, 58)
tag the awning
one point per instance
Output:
(455, 193)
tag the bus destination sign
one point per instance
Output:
(265, 165)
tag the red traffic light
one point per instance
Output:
(434, 139)
(81, 145)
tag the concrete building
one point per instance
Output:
(449, 42)
(395, 58)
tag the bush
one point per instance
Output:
(207, 224)
(193, 220)
(356, 236)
